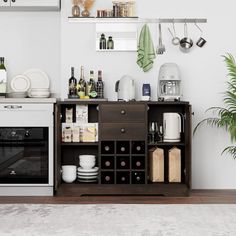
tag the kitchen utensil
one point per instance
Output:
(172, 127)
(186, 43)
(169, 82)
(125, 87)
(87, 157)
(175, 39)
(38, 78)
(20, 83)
(201, 41)
(87, 180)
(160, 48)
(87, 174)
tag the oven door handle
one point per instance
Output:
(13, 107)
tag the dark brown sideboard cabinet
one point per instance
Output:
(122, 149)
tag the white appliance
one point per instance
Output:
(172, 127)
(169, 83)
(125, 87)
(26, 169)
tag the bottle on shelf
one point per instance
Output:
(110, 43)
(123, 147)
(91, 87)
(107, 177)
(122, 162)
(72, 85)
(3, 78)
(122, 177)
(138, 177)
(103, 42)
(100, 85)
(107, 162)
(81, 86)
(107, 147)
(138, 147)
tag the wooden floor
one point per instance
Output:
(196, 197)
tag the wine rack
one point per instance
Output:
(123, 148)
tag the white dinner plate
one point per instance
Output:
(87, 180)
(87, 177)
(95, 169)
(38, 78)
(20, 83)
(87, 174)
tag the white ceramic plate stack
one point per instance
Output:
(87, 172)
(87, 175)
(19, 85)
(40, 83)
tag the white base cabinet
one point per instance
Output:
(30, 5)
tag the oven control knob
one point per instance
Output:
(13, 133)
(12, 172)
(27, 133)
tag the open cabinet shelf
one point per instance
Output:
(123, 158)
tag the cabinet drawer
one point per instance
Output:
(122, 113)
(122, 131)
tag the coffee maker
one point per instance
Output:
(169, 83)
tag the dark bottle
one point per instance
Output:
(100, 85)
(91, 87)
(110, 43)
(138, 177)
(122, 162)
(102, 42)
(81, 87)
(122, 177)
(138, 147)
(107, 177)
(107, 162)
(72, 85)
(138, 162)
(107, 147)
(122, 147)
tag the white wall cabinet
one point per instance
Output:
(30, 5)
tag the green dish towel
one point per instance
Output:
(146, 51)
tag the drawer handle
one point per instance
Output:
(123, 112)
(122, 130)
(12, 107)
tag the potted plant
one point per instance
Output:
(225, 117)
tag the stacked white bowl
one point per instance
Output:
(69, 173)
(87, 161)
(87, 172)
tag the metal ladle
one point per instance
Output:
(175, 39)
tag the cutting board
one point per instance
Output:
(174, 165)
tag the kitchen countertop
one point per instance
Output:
(28, 100)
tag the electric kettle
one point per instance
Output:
(125, 87)
(172, 127)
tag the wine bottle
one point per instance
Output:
(81, 87)
(72, 85)
(91, 88)
(100, 85)
(3, 78)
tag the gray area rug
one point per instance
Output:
(117, 220)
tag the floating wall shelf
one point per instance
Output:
(135, 20)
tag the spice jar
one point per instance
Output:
(130, 9)
(123, 9)
(102, 43)
(116, 9)
(110, 43)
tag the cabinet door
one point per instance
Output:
(34, 3)
(5, 3)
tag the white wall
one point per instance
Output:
(31, 40)
(203, 71)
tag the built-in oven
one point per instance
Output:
(26, 149)
(24, 155)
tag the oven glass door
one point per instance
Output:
(24, 155)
